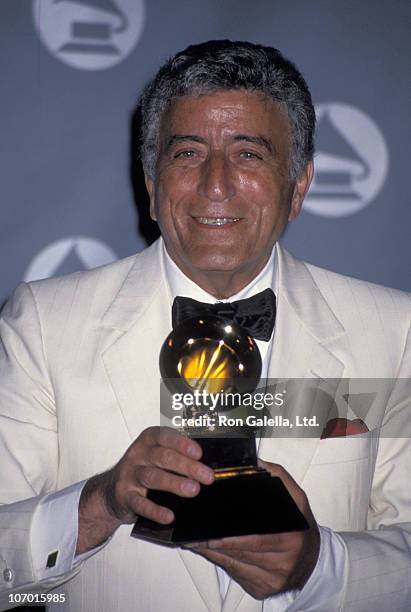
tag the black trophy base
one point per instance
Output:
(245, 504)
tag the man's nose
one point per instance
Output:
(216, 181)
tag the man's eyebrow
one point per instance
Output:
(174, 138)
(258, 140)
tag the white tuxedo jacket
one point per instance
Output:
(80, 381)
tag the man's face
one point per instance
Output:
(222, 194)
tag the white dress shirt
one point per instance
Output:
(55, 523)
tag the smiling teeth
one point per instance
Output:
(216, 220)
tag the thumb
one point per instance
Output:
(292, 487)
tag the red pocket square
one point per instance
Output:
(337, 428)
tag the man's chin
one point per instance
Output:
(216, 265)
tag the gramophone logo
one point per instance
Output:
(351, 163)
(69, 255)
(89, 34)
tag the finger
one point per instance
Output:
(142, 506)
(276, 469)
(170, 438)
(267, 561)
(170, 459)
(152, 477)
(278, 542)
(292, 487)
(257, 581)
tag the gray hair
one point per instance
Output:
(225, 65)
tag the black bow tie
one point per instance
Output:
(255, 314)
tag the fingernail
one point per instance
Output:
(194, 451)
(190, 487)
(190, 545)
(206, 475)
(215, 543)
(167, 516)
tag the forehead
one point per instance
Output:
(240, 110)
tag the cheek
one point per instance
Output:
(178, 179)
(260, 188)
(170, 215)
(252, 183)
(174, 191)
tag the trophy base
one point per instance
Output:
(244, 501)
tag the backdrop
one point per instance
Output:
(72, 71)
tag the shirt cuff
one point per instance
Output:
(54, 532)
(323, 591)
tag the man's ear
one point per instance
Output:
(150, 190)
(301, 186)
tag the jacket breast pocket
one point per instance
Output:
(346, 448)
(339, 480)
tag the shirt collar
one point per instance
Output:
(180, 284)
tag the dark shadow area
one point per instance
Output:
(145, 225)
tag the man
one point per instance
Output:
(227, 151)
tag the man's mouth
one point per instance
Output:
(216, 220)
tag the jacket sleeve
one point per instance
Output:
(28, 443)
(379, 560)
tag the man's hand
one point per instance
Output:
(160, 458)
(265, 565)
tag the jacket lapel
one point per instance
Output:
(139, 324)
(305, 332)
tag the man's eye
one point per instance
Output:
(250, 155)
(184, 154)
